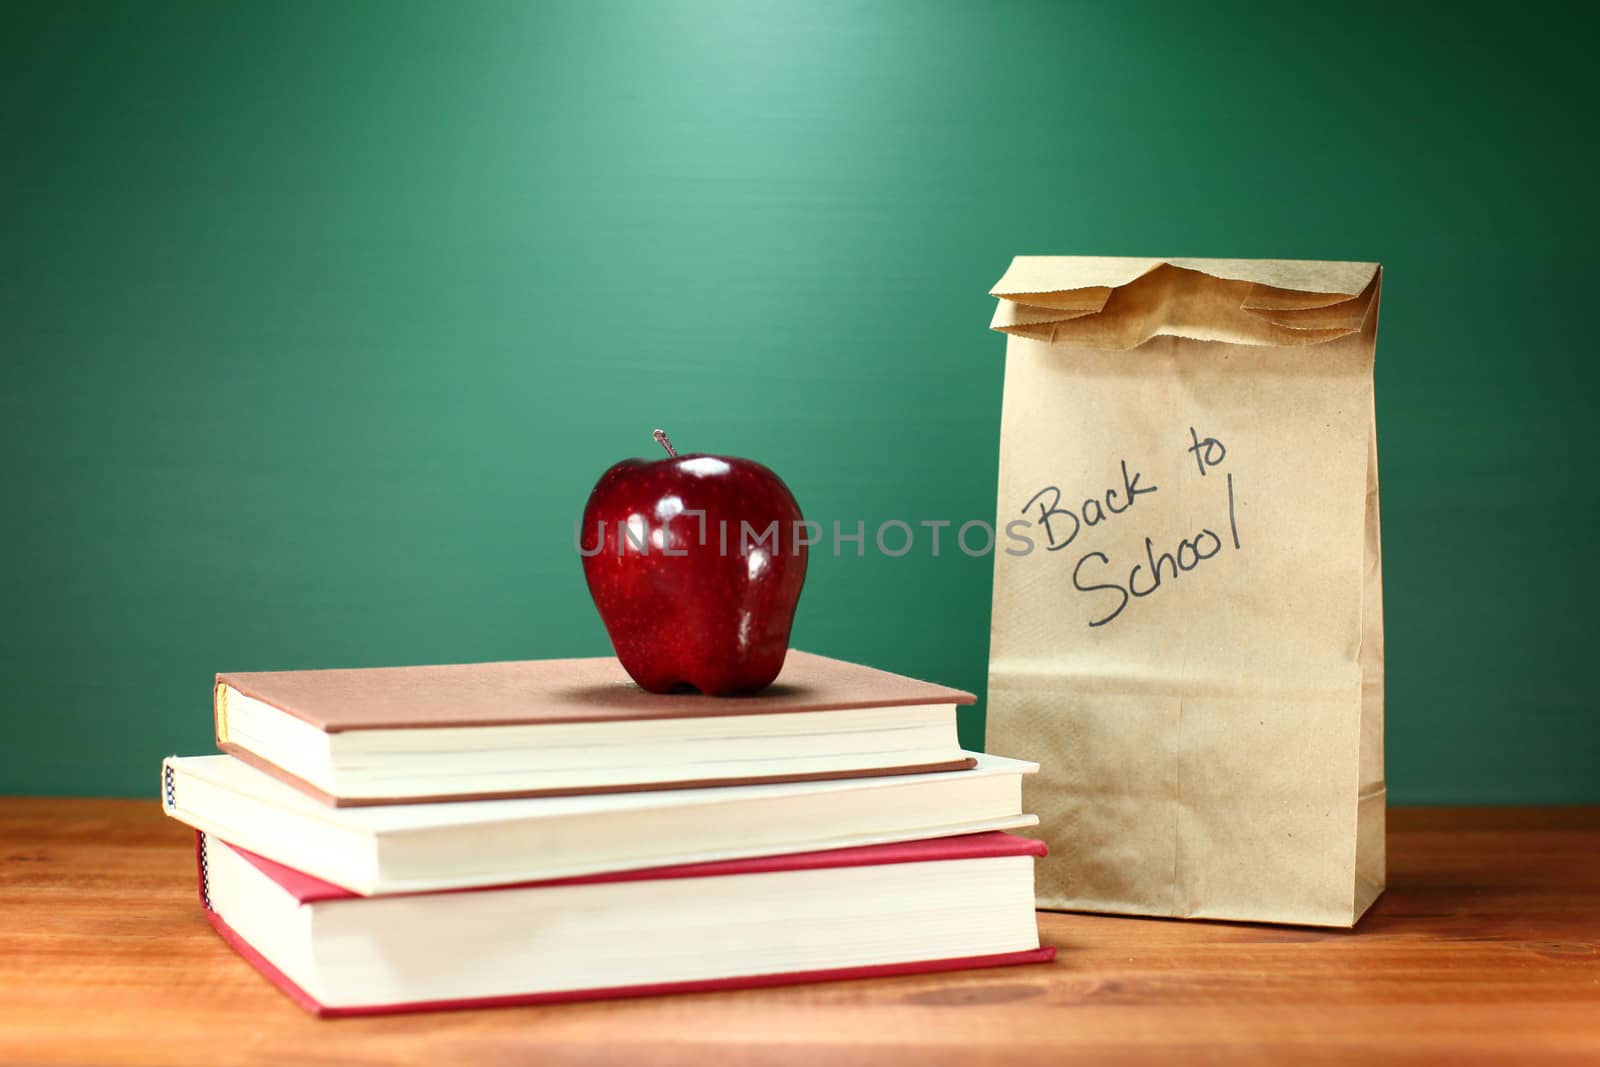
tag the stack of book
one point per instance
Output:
(411, 838)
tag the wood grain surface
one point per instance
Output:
(1486, 949)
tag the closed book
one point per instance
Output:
(877, 910)
(570, 726)
(396, 848)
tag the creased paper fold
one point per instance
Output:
(1115, 303)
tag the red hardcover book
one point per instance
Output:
(875, 911)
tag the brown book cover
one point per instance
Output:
(533, 692)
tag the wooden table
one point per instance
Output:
(1486, 948)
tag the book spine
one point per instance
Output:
(169, 799)
(219, 705)
(203, 868)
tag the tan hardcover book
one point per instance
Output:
(479, 731)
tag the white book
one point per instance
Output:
(405, 848)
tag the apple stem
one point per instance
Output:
(661, 439)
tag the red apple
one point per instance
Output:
(695, 564)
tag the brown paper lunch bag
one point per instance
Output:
(1188, 600)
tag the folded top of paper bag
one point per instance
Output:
(1115, 302)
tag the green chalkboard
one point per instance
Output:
(319, 320)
